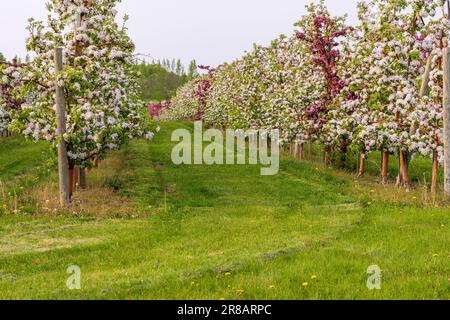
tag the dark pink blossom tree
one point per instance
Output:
(322, 35)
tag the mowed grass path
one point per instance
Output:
(213, 232)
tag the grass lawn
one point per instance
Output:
(148, 229)
(18, 157)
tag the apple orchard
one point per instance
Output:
(374, 87)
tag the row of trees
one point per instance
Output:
(374, 87)
(177, 67)
(99, 81)
(159, 81)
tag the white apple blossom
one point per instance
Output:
(101, 92)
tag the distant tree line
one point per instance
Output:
(16, 58)
(160, 79)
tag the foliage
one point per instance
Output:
(100, 85)
(342, 86)
(158, 82)
(9, 84)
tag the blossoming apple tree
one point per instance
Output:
(9, 97)
(375, 87)
(100, 87)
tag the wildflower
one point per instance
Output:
(228, 274)
(314, 277)
(305, 284)
(435, 255)
(240, 292)
(272, 286)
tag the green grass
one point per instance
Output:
(18, 157)
(420, 168)
(212, 232)
(22, 165)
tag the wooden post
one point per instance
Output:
(424, 91)
(446, 106)
(448, 9)
(297, 150)
(424, 87)
(404, 170)
(399, 171)
(63, 161)
(362, 165)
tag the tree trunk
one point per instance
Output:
(362, 165)
(434, 177)
(384, 167)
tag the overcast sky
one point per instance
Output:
(211, 31)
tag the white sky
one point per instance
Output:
(211, 31)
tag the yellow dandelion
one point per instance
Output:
(305, 284)
(314, 277)
(272, 286)
(435, 255)
(228, 274)
(414, 198)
